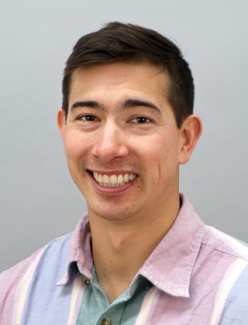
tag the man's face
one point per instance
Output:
(121, 140)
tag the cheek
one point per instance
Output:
(161, 157)
(152, 153)
(75, 145)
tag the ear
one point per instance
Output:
(61, 121)
(191, 131)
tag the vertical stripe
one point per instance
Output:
(229, 280)
(23, 288)
(76, 297)
(147, 306)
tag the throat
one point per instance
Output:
(117, 267)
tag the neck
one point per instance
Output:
(121, 247)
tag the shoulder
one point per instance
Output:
(16, 272)
(15, 281)
(225, 253)
(217, 241)
(231, 303)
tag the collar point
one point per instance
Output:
(63, 281)
(182, 292)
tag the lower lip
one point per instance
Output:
(112, 190)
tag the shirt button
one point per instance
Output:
(87, 282)
(106, 321)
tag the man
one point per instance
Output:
(141, 255)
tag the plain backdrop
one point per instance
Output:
(38, 200)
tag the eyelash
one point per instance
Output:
(92, 118)
(143, 118)
(84, 118)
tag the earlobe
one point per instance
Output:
(61, 119)
(191, 131)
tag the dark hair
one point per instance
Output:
(118, 42)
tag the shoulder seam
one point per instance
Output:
(223, 252)
(36, 252)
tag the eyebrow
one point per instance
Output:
(88, 103)
(129, 103)
(136, 102)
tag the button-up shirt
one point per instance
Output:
(196, 275)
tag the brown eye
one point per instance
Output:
(89, 118)
(142, 119)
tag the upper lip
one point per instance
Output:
(112, 172)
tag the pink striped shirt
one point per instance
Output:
(199, 276)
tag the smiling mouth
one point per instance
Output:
(114, 180)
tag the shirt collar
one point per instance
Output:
(170, 265)
(80, 251)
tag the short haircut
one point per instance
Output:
(127, 43)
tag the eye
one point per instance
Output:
(141, 120)
(88, 118)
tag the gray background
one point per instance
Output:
(38, 198)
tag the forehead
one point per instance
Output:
(119, 80)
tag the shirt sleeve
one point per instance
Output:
(235, 311)
(13, 288)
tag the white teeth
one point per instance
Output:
(120, 179)
(113, 180)
(105, 179)
(126, 178)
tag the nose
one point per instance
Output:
(110, 143)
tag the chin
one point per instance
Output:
(114, 213)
